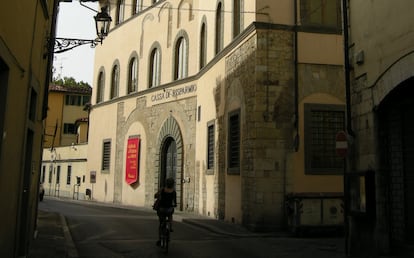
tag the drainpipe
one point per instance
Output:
(350, 132)
(296, 81)
(347, 68)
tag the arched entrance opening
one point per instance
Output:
(396, 136)
(170, 158)
(168, 161)
(169, 166)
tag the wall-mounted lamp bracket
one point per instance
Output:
(65, 44)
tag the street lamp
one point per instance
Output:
(102, 22)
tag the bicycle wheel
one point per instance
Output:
(165, 237)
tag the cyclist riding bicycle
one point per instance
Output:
(167, 200)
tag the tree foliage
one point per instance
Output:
(70, 81)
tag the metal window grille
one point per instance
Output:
(43, 174)
(322, 124)
(234, 141)
(50, 174)
(58, 175)
(69, 175)
(210, 146)
(106, 155)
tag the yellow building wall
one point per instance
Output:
(103, 127)
(83, 133)
(53, 119)
(69, 115)
(320, 48)
(134, 194)
(302, 183)
(24, 66)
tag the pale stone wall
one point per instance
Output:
(74, 156)
(254, 73)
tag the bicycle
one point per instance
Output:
(165, 234)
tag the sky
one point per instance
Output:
(76, 21)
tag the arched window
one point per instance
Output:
(154, 74)
(203, 45)
(115, 82)
(180, 63)
(219, 28)
(100, 88)
(133, 75)
(136, 6)
(120, 10)
(236, 17)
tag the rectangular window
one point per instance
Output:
(68, 100)
(69, 128)
(236, 17)
(69, 175)
(210, 145)
(137, 6)
(58, 175)
(86, 100)
(322, 123)
(42, 179)
(33, 105)
(233, 159)
(325, 14)
(50, 174)
(74, 100)
(106, 155)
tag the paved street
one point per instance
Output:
(99, 230)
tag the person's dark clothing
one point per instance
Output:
(168, 200)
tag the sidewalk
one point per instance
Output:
(50, 240)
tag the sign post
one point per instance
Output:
(341, 145)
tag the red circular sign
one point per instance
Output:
(341, 144)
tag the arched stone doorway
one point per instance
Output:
(168, 160)
(170, 157)
(396, 136)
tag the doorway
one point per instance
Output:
(169, 166)
(169, 161)
(396, 134)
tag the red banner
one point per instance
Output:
(132, 163)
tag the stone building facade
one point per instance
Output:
(26, 55)
(216, 95)
(381, 103)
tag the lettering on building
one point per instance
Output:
(171, 94)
